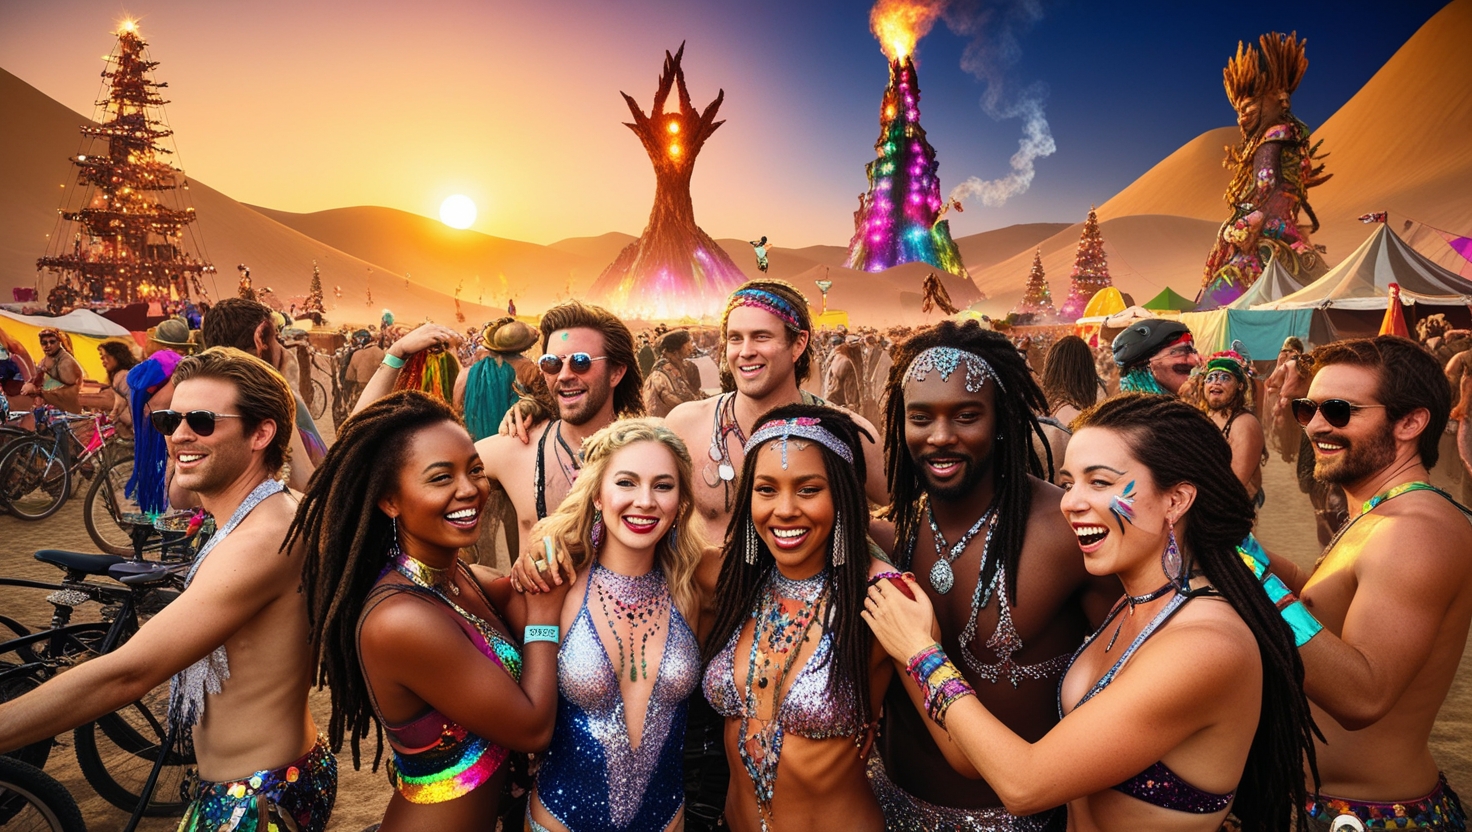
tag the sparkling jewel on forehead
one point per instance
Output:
(945, 360)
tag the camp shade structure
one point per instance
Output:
(1106, 301)
(1169, 300)
(87, 329)
(1274, 283)
(1363, 280)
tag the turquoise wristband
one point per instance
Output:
(1253, 555)
(1275, 588)
(393, 361)
(1301, 621)
(541, 632)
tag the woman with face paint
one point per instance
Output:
(1187, 704)
(791, 667)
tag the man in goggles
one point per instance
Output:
(1155, 356)
(1224, 392)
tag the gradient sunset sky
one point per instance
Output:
(304, 106)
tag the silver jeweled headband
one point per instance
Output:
(803, 427)
(945, 360)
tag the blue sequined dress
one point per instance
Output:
(591, 778)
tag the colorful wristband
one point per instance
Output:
(1299, 619)
(939, 681)
(392, 361)
(1253, 555)
(541, 632)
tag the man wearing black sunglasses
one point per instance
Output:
(1393, 590)
(236, 639)
(58, 380)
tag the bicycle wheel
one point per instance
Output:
(31, 800)
(38, 752)
(34, 479)
(116, 754)
(103, 508)
(319, 399)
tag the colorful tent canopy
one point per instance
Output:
(1170, 300)
(1275, 282)
(1363, 280)
(1106, 301)
(1262, 332)
(87, 330)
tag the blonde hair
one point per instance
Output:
(571, 524)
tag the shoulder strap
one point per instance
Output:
(540, 472)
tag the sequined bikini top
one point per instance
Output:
(435, 759)
(1156, 785)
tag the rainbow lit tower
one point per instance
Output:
(899, 219)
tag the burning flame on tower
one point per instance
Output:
(900, 24)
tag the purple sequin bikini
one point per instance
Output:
(1156, 785)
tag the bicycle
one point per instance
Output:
(32, 800)
(116, 752)
(36, 472)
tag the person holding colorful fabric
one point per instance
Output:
(630, 658)
(488, 389)
(790, 666)
(235, 639)
(1186, 704)
(1392, 593)
(407, 637)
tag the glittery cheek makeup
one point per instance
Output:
(1122, 506)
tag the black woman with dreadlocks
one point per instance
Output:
(791, 666)
(976, 517)
(411, 641)
(1188, 702)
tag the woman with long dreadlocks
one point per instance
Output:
(631, 658)
(408, 638)
(1188, 702)
(791, 667)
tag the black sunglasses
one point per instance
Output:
(1337, 412)
(202, 422)
(580, 362)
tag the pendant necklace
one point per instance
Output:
(507, 654)
(640, 602)
(719, 452)
(1133, 601)
(942, 577)
(570, 469)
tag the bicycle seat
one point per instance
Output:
(135, 574)
(79, 561)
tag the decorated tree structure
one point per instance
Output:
(674, 269)
(123, 238)
(899, 218)
(1090, 270)
(1037, 301)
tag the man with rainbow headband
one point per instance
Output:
(1391, 596)
(767, 330)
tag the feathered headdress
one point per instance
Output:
(1278, 67)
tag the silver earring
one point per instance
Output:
(751, 542)
(393, 546)
(840, 550)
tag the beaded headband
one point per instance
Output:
(803, 427)
(945, 360)
(767, 302)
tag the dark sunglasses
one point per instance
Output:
(202, 422)
(45, 341)
(1337, 412)
(580, 362)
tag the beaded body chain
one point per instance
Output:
(639, 602)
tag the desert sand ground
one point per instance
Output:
(1285, 526)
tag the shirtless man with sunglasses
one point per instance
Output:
(1392, 591)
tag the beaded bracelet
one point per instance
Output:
(939, 681)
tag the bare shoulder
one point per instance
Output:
(1418, 531)
(251, 556)
(404, 624)
(1211, 626)
(686, 419)
(497, 450)
(874, 436)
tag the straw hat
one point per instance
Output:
(509, 335)
(172, 333)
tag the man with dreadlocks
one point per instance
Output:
(975, 516)
(1225, 395)
(236, 639)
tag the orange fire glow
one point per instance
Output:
(900, 24)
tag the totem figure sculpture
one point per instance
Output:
(1273, 168)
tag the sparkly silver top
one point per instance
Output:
(188, 687)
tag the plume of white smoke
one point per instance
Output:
(995, 27)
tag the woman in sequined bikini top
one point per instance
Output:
(630, 659)
(792, 668)
(406, 635)
(1181, 710)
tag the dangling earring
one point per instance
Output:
(393, 544)
(751, 542)
(673, 538)
(839, 548)
(595, 535)
(1170, 560)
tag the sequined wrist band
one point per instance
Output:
(922, 664)
(944, 696)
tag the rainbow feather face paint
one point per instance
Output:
(1122, 506)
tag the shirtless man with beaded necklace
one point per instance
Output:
(1012, 598)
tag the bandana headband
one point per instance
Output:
(803, 427)
(1231, 361)
(767, 302)
(945, 360)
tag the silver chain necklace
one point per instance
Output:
(942, 577)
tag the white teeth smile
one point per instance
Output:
(190, 457)
(1328, 446)
(462, 514)
(750, 368)
(1089, 535)
(789, 534)
(641, 522)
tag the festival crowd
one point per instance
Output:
(965, 583)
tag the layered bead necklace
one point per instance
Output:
(637, 603)
(780, 627)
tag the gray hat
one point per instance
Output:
(172, 333)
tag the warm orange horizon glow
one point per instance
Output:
(900, 24)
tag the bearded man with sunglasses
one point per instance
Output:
(58, 380)
(1391, 597)
(235, 640)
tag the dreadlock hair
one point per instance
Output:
(677, 554)
(1177, 443)
(1016, 401)
(345, 540)
(739, 588)
(1069, 376)
(1409, 378)
(794, 297)
(618, 345)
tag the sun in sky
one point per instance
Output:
(457, 211)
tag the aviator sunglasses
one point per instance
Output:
(580, 362)
(202, 422)
(1337, 412)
